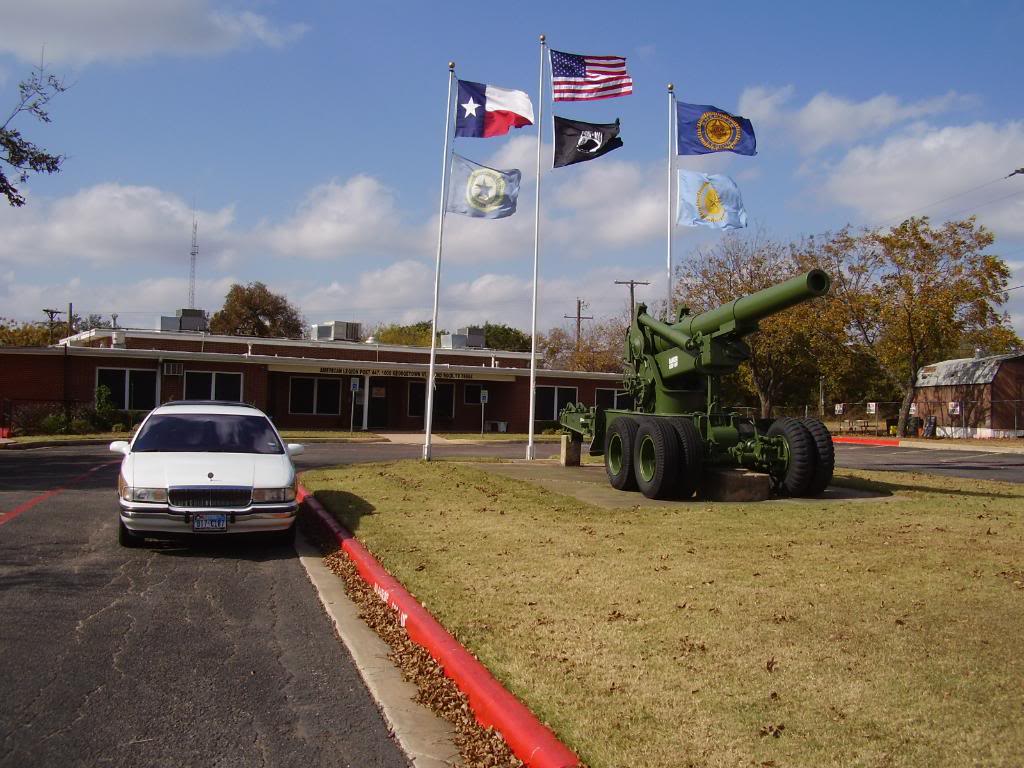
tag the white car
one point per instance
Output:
(205, 468)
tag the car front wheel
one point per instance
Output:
(125, 537)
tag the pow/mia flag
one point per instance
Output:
(577, 142)
(482, 192)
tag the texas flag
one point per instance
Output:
(486, 110)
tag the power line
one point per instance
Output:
(951, 197)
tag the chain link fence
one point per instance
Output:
(965, 417)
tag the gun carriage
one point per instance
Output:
(678, 429)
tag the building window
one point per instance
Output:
(612, 398)
(310, 396)
(444, 400)
(213, 385)
(131, 389)
(551, 400)
(471, 394)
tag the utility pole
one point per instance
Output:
(193, 254)
(580, 317)
(51, 313)
(632, 285)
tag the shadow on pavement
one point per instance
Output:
(347, 507)
(255, 547)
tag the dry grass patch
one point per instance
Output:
(872, 632)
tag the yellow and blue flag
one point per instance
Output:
(703, 129)
(710, 200)
(481, 192)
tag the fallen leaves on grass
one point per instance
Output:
(772, 730)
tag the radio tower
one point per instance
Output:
(192, 264)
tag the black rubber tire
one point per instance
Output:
(826, 456)
(656, 458)
(802, 455)
(126, 538)
(622, 433)
(691, 457)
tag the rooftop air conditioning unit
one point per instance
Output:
(474, 336)
(192, 319)
(453, 341)
(337, 330)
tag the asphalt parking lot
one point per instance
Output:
(217, 654)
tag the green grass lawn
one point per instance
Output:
(336, 435)
(500, 437)
(111, 436)
(881, 632)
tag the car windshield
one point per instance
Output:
(207, 433)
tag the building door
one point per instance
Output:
(378, 415)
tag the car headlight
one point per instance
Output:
(151, 495)
(273, 495)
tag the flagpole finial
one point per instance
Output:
(671, 87)
(451, 66)
(542, 39)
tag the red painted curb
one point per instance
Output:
(867, 441)
(492, 704)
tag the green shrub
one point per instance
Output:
(80, 426)
(27, 418)
(53, 424)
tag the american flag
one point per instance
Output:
(581, 78)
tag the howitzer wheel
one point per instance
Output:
(800, 468)
(691, 457)
(656, 458)
(826, 456)
(619, 442)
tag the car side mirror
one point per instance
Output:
(294, 449)
(119, 446)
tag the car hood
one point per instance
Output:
(163, 470)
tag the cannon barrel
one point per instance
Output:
(746, 310)
(759, 305)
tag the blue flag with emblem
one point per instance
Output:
(709, 200)
(482, 192)
(703, 129)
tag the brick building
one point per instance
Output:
(974, 396)
(299, 383)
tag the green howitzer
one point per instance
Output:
(678, 428)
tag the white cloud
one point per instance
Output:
(341, 219)
(111, 223)
(827, 119)
(401, 291)
(138, 303)
(80, 32)
(905, 174)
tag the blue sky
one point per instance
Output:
(309, 136)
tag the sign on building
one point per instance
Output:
(840, 409)
(954, 407)
(872, 408)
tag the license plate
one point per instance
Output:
(205, 522)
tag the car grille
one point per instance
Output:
(210, 498)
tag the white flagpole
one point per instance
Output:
(428, 415)
(669, 221)
(530, 452)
